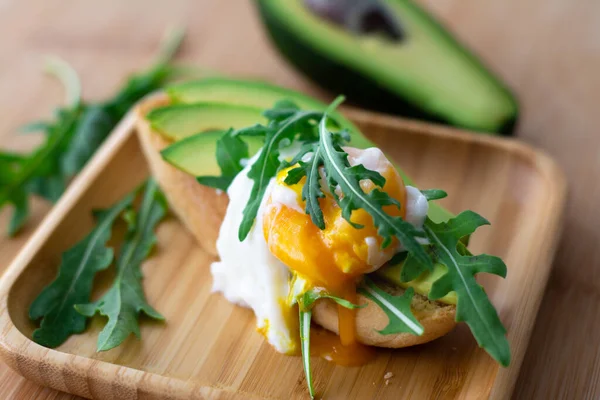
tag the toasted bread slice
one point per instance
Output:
(201, 209)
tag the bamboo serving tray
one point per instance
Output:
(208, 348)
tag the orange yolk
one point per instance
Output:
(333, 258)
(327, 345)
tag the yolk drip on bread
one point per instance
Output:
(336, 257)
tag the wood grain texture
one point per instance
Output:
(210, 347)
(547, 50)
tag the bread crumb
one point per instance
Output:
(387, 382)
(388, 375)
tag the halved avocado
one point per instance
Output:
(391, 56)
(179, 121)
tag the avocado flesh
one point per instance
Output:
(225, 90)
(422, 284)
(427, 74)
(176, 122)
(192, 153)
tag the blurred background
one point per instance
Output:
(546, 51)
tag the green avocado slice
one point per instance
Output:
(424, 74)
(422, 284)
(178, 121)
(191, 154)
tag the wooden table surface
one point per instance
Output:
(547, 50)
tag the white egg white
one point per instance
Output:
(250, 276)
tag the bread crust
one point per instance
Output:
(202, 209)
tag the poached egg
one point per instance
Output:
(285, 246)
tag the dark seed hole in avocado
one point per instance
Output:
(360, 17)
(376, 21)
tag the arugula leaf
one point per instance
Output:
(98, 120)
(19, 216)
(306, 302)
(339, 172)
(397, 308)
(434, 194)
(398, 258)
(75, 134)
(412, 268)
(35, 127)
(253, 130)
(215, 182)
(474, 307)
(283, 109)
(49, 187)
(8, 157)
(307, 299)
(125, 299)
(311, 191)
(41, 164)
(94, 125)
(73, 284)
(231, 150)
(305, 317)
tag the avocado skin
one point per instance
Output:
(360, 89)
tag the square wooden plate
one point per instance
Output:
(209, 348)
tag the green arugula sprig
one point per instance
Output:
(397, 308)
(63, 306)
(125, 299)
(306, 302)
(231, 150)
(434, 194)
(72, 138)
(473, 306)
(55, 305)
(39, 172)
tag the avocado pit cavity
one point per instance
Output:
(359, 17)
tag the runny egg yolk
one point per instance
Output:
(333, 258)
